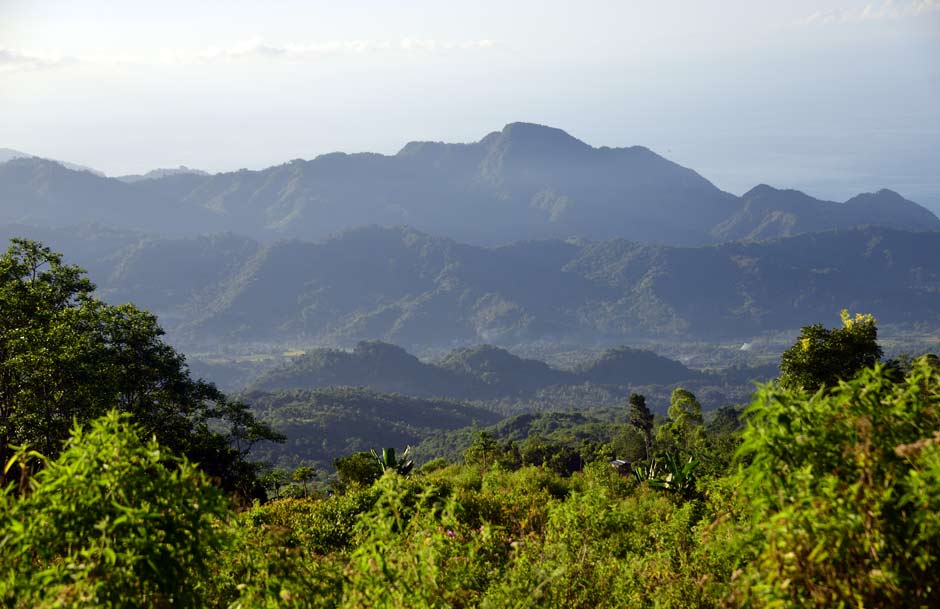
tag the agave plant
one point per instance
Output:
(388, 462)
(645, 472)
(673, 475)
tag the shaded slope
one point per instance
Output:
(325, 424)
(411, 289)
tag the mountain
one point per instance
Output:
(8, 154)
(524, 182)
(412, 289)
(627, 366)
(45, 193)
(499, 373)
(767, 212)
(476, 373)
(161, 173)
(379, 366)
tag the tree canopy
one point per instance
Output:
(821, 356)
(66, 357)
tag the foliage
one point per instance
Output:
(112, 522)
(844, 488)
(821, 356)
(388, 462)
(318, 527)
(683, 432)
(66, 356)
(669, 473)
(832, 501)
(356, 470)
(642, 419)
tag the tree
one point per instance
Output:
(273, 480)
(303, 474)
(44, 354)
(65, 356)
(684, 408)
(483, 450)
(357, 470)
(683, 432)
(114, 521)
(821, 357)
(642, 419)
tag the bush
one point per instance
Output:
(112, 522)
(844, 488)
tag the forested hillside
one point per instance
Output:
(408, 288)
(322, 425)
(474, 373)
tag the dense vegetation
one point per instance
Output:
(834, 503)
(823, 492)
(323, 424)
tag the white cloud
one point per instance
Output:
(252, 49)
(12, 60)
(874, 11)
(256, 47)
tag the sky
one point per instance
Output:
(832, 98)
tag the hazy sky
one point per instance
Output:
(829, 97)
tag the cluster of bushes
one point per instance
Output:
(833, 501)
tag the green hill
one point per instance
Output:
(471, 373)
(324, 424)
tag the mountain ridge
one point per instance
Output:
(406, 287)
(523, 182)
(481, 372)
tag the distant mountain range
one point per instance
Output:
(482, 372)
(8, 154)
(521, 183)
(409, 288)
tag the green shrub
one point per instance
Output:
(843, 484)
(112, 522)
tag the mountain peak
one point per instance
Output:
(539, 135)
(885, 194)
(760, 189)
(8, 154)
(764, 190)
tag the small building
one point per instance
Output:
(623, 467)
